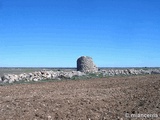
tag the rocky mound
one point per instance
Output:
(86, 64)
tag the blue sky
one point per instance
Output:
(54, 33)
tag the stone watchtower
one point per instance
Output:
(85, 64)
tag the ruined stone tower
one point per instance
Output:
(86, 64)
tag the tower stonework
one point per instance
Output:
(86, 64)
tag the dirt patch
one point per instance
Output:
(95, 99)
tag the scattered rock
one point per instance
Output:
(86, 64)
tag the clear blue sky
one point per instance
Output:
(54, 33)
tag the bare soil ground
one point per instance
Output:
(95, 99)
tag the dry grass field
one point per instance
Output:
(94, 99)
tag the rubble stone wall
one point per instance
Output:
(39, 75)
(58, 75)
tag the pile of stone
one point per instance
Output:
(114, 72)
(40, 75)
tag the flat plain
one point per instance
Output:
(108, 98)
(19, 70)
